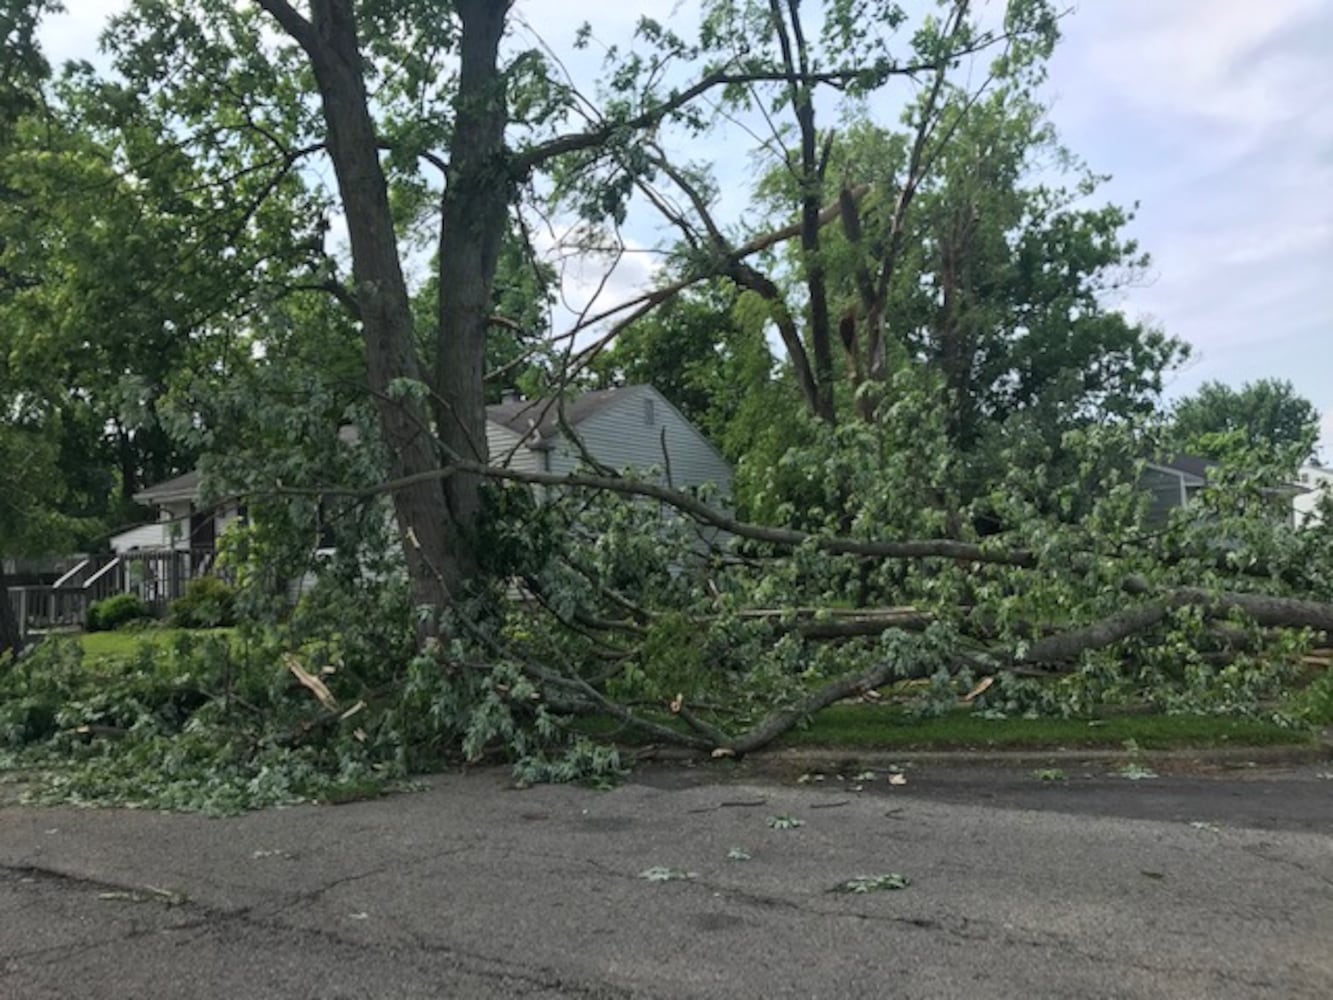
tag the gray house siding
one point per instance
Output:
(640, 430)
(504, 448)
(1166, 492)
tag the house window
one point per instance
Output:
(649, 416)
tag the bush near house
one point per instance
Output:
(116, 612)
(207, 603)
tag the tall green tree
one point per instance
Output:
(126, 279)
(1002, 291)
(29, 484)
(412, 103)
(804, 187)
(1267, 414)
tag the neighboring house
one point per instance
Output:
(180, 525)
(158, 559)
(634, 427)
(1175, 482)
(1318, 485)
(154, 561)
(630, 428)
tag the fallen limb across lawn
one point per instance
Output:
(1054, 649)
(1262, 609)
(691, 506)
(1061, 650)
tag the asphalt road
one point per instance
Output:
(1096, 886)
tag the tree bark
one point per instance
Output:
(796, 63)
(473, 216)
(1262, 609)
(331, 43)
(11, 638)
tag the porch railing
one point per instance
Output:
(158, 576)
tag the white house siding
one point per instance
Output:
(628, 434)
(1319, 483)
(145, 536)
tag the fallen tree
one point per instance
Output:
(953, 639)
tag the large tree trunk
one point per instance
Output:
(330, 40)
(473, 218)
(11, 638)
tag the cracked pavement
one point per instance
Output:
(1200, 886)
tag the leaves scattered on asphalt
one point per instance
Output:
(738, 854)
(784, 822)
(1136, 772)
(660, 873)
(873, 883)
(1199, 824)
(149, 894)
(1049, 774)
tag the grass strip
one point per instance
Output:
(879, 726)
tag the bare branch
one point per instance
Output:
(686, 503)
(301, 31)
(528, 160)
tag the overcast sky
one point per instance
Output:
(1215, 115)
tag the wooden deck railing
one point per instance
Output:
(158, 576)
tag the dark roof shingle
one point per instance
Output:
(185, 487)
(523, 416)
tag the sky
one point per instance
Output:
(1215, 116)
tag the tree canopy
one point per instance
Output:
(1265, 415)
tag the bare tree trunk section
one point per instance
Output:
(473, 217)
(796, 62)
(11, 635)
(330, 41)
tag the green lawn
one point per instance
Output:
(122, 645)
(866, 726)
(888, 727)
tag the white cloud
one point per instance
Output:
(1201, 57)
(593, 283)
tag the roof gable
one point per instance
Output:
(1194, 468)
(185, 487)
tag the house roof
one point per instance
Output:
(1195, 471)
(542, 416)
(184, 487)
(1192, 467)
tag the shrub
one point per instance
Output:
(1314, 704)
(116, 612)
(207, 603)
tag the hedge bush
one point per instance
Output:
(116, 612)
(207, 603)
